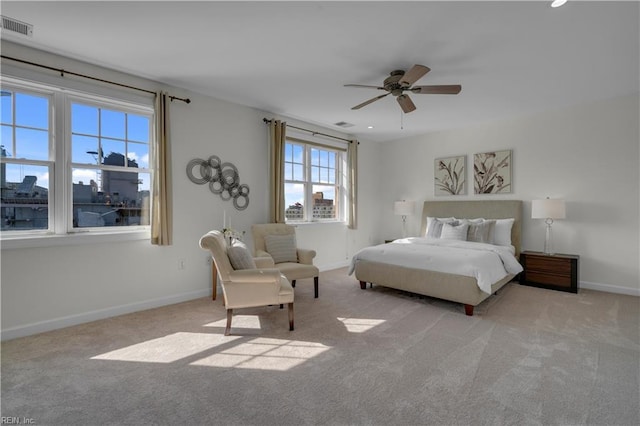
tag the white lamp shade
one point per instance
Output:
(404, 208)
(548, 209)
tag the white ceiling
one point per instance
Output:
(293, 58)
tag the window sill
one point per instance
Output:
(50, 240)
(324, 222)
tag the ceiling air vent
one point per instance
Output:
(18, 27)
(344, 124)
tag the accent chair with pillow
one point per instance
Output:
(244, 284)
(278, 241)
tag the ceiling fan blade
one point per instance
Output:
(406, 103)
(414, 74)
(451, 89)
(365, 103)
(364, 86)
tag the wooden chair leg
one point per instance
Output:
(227, 330)
(315, 286)
(293, 283)
(291, 316)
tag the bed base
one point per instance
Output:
(468, 309)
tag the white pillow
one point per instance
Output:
(454, 232)
(434, 225)
(240, 257)
(282, 247)
(502, 232)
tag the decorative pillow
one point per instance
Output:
(502, 232)
(240, 257)
(454, 232)
(481, 231)
(282, 247)
(434, 225)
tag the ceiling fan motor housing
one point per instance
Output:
(391, 83)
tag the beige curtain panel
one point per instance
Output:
(352, 164)
(277, 135)
(161, 213)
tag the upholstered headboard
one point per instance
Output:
(488, 209)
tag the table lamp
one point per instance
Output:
(404, 208)
(548, 210)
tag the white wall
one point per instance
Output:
(588, 155)
(49, 287)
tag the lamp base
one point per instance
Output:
(548, 244)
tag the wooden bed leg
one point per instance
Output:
(468, 309)
(363, 285)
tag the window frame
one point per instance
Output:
(60, 229)
(308, 182)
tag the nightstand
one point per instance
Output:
(552, 271)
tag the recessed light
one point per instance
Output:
(369, 127)
(558, 3)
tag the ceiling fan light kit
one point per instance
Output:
(400, 81)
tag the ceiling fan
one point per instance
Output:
(399, 82)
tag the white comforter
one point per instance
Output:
(487, 263)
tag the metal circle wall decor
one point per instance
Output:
(223, 179)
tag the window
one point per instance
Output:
(313, 182)
(71, 162)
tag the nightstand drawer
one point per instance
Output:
(549, 279)
(549, 264)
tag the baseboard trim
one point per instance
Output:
(63, 322)
(608, 288)
(332, 266)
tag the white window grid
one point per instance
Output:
(59, 164)
(332, 178)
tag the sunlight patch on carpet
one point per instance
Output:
(169, 348)
(265, 354)
(360, 325)
(239, 321)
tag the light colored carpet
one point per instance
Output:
(375, 357)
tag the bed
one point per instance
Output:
(388, 265)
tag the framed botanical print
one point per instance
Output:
(450, 175)
(492, 172)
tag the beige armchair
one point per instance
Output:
(245, 288)
(277, 241)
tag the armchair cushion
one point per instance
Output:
(282, 248)
(240, 257)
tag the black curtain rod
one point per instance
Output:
(313, 132)
(63, 72)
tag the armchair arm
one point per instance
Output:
(262, 253)
(255, 276)
(306, 256)
(264, 262)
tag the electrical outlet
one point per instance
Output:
(182, 264)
